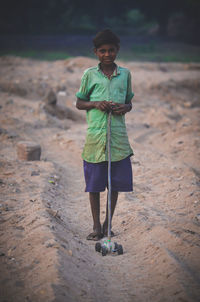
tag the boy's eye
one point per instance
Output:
(102, 51)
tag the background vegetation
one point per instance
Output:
(150, 30)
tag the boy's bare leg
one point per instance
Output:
(95, 208)
(114, 197)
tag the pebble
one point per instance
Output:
(9, 252)
(9, 102)
(198, 217)
(53, 213)
(50, 243)
(36, 261)
(62, 93)
(35, 173)
(56, 177)
(33, 200)
(1, 182)
(16, 190)
(69, 252)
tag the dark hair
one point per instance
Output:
(105, 36)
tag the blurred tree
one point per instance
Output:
(59, 16)
(160, 11)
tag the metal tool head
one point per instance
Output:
(106, 247)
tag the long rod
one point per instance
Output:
(109, 173)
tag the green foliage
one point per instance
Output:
(66, 16)
(65, 19)
(162, 52)
(37, 54)
(144, 48)
(134, 17)
(113, 22)
(150, 52)
(82, 23)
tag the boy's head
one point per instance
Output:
(106, 37)
(106, 46)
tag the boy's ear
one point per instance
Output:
(95, 50)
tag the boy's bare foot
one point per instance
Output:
(95, 236)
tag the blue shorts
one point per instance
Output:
(96, 176)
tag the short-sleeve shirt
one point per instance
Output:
(96, 86)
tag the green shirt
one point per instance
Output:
(95, 86)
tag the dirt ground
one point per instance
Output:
(45, 214)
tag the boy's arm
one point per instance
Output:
(101, 105)
(83, 105)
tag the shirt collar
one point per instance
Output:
(115, 72)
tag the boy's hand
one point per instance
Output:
(120, 109)
(103, 105)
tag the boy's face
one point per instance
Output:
(106, 53)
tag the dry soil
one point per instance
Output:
(45, 214)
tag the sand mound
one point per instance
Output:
(80, 62)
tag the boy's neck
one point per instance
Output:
(108, 68)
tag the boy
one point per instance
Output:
(104, 88)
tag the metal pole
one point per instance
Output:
(109, 173)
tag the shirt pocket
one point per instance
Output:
(120, 94)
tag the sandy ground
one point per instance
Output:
(45, 214)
